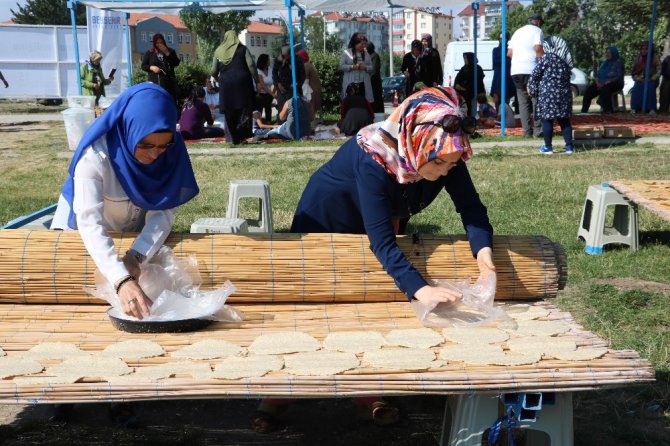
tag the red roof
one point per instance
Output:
(266, 28)
(468, 11)
(173, 20)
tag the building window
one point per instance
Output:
(188, 38)
(188, 58)
(144, 36)
(409, 37)
(252, 41)
(151, 37)
(265, 41)
(423, 16)
(423, 26)
(181, 57)
(170, 38)
(409, 25)
(408, 15)
(180, 38)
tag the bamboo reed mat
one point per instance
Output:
(88, 327)
(652, 194)
(53, 266)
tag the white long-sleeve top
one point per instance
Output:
(348, 75)
(101, 205)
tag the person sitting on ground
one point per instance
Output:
(487, 112)
(608, 81)
(356, 112)
(92, 78)
(193, 117)
(258, 126)
(287, 130)
(212, 92)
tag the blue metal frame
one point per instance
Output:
(130, 54)
(72, 4)
(475, 109)
(647, 68)
(25, 219)
(289, 5)
(503, 70)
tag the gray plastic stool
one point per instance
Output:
(615, 101)
(592, 228)
(255, 189)
(210, 225)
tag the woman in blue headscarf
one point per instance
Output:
(129, 173)
(608, 81)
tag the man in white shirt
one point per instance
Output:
(525, 48)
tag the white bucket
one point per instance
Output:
(379, 117)
(81, 102)
(76, 120)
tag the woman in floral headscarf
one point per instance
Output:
(392, 170)
(373, 185)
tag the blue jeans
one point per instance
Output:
(548, 130)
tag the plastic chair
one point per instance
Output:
(209, 225)
(251, 189)
(615, 101)
(593, 229)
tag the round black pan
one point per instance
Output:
(178, 326)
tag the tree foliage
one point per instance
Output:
(328, 66)
(590, 26)
(209, 27)
(314, 37)
(47, 12)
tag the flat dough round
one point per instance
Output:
(414, 338)
(284, 342)
(401, 358)
(133, 348)
(13, 366)
(581, 354)
(542, 345)
(43, 380)
(208, 349)
(480, 354)
(90, 367)
(354, 341)
(197, 370)
(54, 350)
(475, 335)
(531, 313)
(541, 328)
(321, 363)
(247, 367)
(515, 359)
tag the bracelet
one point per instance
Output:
(128, 278)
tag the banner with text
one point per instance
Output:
(105, 34)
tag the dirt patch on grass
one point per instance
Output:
(628, 284)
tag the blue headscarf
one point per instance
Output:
(139, 111)
(608, 64)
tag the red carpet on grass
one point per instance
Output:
(642, 123)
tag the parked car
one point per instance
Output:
(628, 84)
(579, 82)
(391, 84)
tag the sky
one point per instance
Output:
(5, 5)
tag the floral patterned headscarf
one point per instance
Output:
(402, 147)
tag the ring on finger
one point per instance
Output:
(132, 301)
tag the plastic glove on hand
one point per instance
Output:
(433, 295)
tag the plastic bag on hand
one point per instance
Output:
(474, 309)
(174, 287)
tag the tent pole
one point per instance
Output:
(473, 110)
(503, 69)
(72, 4)
(647, 68)
(391, 43)
(296, 114)
(301, 13)
(130, 54)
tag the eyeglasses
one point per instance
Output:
(451, 124)
(146, 146)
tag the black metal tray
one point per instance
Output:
(134, 326)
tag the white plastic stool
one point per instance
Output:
(474, 414)
(219, 226)
(255, 189)
(592, 227)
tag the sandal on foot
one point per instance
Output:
(264, 422)
(379, 412)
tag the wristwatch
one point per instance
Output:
(139, 256)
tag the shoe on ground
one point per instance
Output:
(546, 150)
(569, 149)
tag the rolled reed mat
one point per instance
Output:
(53, 266)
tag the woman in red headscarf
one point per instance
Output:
(159, 63)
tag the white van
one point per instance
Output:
(453, 60)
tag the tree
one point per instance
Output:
(47, 12)
(210, 27)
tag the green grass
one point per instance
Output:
(621, 295)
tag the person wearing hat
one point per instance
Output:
(525, 48)
(408, 67)
(92, 78)
(429, 65)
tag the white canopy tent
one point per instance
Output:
(173, 7)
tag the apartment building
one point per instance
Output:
(143, 27)
(410, 24)
(259, 37)
(488, 14)
(344, 25)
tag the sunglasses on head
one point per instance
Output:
(452, 123)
